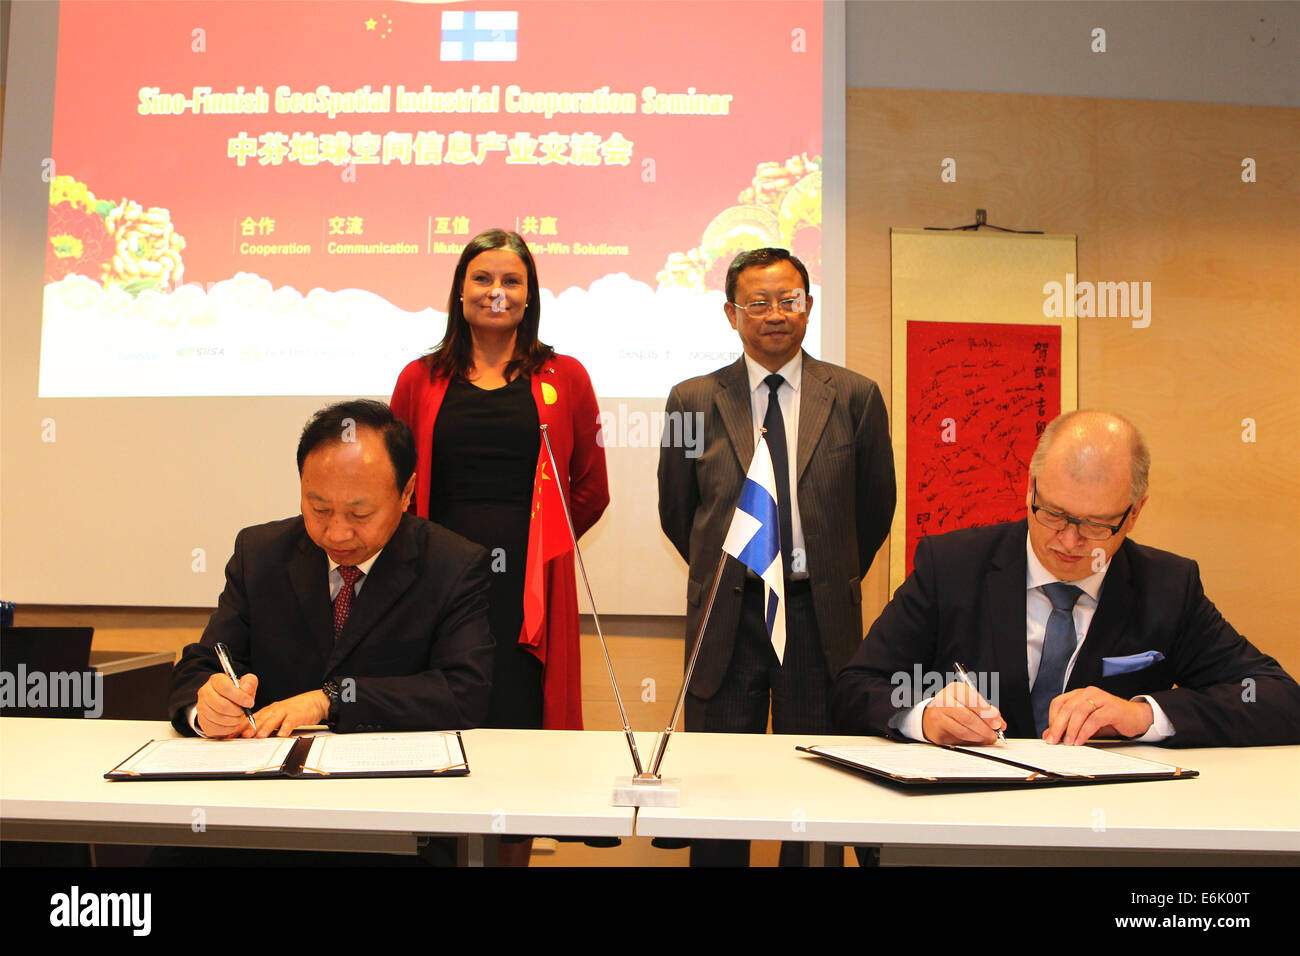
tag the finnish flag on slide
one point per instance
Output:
(754, 539)
(479, 35)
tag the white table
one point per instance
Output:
(550, 783)
(757, 787)
(558, 783)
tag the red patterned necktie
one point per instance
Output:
(343, 602)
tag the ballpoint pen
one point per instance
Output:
(223, 655)
(961, 672)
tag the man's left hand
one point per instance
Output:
(1079, 715)
(283, 716)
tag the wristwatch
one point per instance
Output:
(331, 689)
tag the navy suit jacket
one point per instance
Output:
(416, 643)
(965, 601)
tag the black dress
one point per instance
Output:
(485, 445)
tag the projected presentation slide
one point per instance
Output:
(270, 198)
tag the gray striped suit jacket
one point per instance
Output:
(845, 479)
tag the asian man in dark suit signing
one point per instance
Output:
(354, 614)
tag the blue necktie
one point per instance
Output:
(1058, 646)
(775, 425)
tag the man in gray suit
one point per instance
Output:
(829, 438)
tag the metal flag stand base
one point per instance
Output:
(647, 788)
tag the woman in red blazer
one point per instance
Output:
(474, 405)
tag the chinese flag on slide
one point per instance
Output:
(548, 538)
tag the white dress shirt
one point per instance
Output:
(336, 583)
(788, 396)
(1038, 608)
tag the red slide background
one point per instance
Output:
(108, 51)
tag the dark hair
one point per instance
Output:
(761, 258)
(454, 355)
(327, 426)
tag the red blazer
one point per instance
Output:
(567, 404)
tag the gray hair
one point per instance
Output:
(1139, 453)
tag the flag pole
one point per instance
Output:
(661, 746)
(618, 698)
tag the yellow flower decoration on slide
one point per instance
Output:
(66, 189)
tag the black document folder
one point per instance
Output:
(1013, 763)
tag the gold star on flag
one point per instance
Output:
(385, 21)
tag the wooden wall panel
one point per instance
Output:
(1154, 192)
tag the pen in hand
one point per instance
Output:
(965, 678)
(223, 655)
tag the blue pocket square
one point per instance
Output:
(1110, 666)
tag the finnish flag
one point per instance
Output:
(754, 539)
(479, 35)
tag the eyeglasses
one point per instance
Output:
(795, 305)
(1091, 530)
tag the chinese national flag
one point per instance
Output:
(548, 538)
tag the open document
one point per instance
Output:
(419, 754)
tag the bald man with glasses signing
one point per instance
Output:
(1069, 629)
